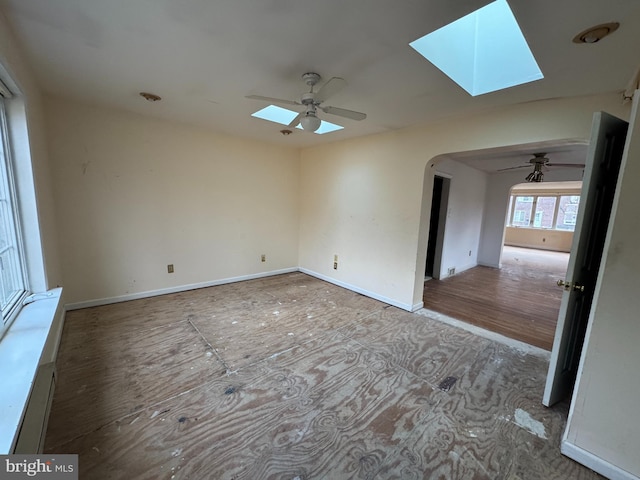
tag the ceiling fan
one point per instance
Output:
(312, 102)
(540, 165)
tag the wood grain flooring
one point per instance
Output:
(520, 300)
(292, 378)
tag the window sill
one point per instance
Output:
(31, 340)
(542, 229)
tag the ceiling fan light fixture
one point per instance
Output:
(310, 122)
(535, 177)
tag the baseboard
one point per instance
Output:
(181, 288)
(353, 288)
(595, 463)
(466, 267)
(486, 264)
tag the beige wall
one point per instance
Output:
(556, 240)
(32, 173)
(463, 216)
(366, 199)
(135, 194)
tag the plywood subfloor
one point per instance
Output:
(520, 300)
(293, 378)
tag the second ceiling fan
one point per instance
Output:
(540, 164)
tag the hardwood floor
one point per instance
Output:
(520, 300)
(290, 377)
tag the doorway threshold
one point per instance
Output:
(522, 347)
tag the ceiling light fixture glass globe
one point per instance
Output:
(310, 122)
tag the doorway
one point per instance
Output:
(515, 300)
(439, 205)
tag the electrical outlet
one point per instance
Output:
(469, 252)
(170, 268)
(335, 265)
(451, 271)
(263, 258)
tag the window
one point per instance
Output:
(544, 211)
(568, 212)
(522, 211)
(12, 278)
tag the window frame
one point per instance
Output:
(554, 217)
(521, 213)
(572, 214)
(512, 209)
(7, 175)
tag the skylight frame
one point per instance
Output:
(483, 52)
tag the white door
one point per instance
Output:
(600, 176)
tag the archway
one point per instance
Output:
(479, 200)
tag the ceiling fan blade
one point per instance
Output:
(343, 112)
(330, 88)
(570, 165)
(272, 100)
(513, 168)
(296, 121)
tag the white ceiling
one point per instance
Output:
(204, 56)
(495, 160)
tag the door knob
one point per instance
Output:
(577, 287)
(568, 286)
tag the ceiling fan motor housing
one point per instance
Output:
(539, 158)
(308, 98)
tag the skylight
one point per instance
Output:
(326, 127)
(275, 114)
(284, 117)
(482, 52)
